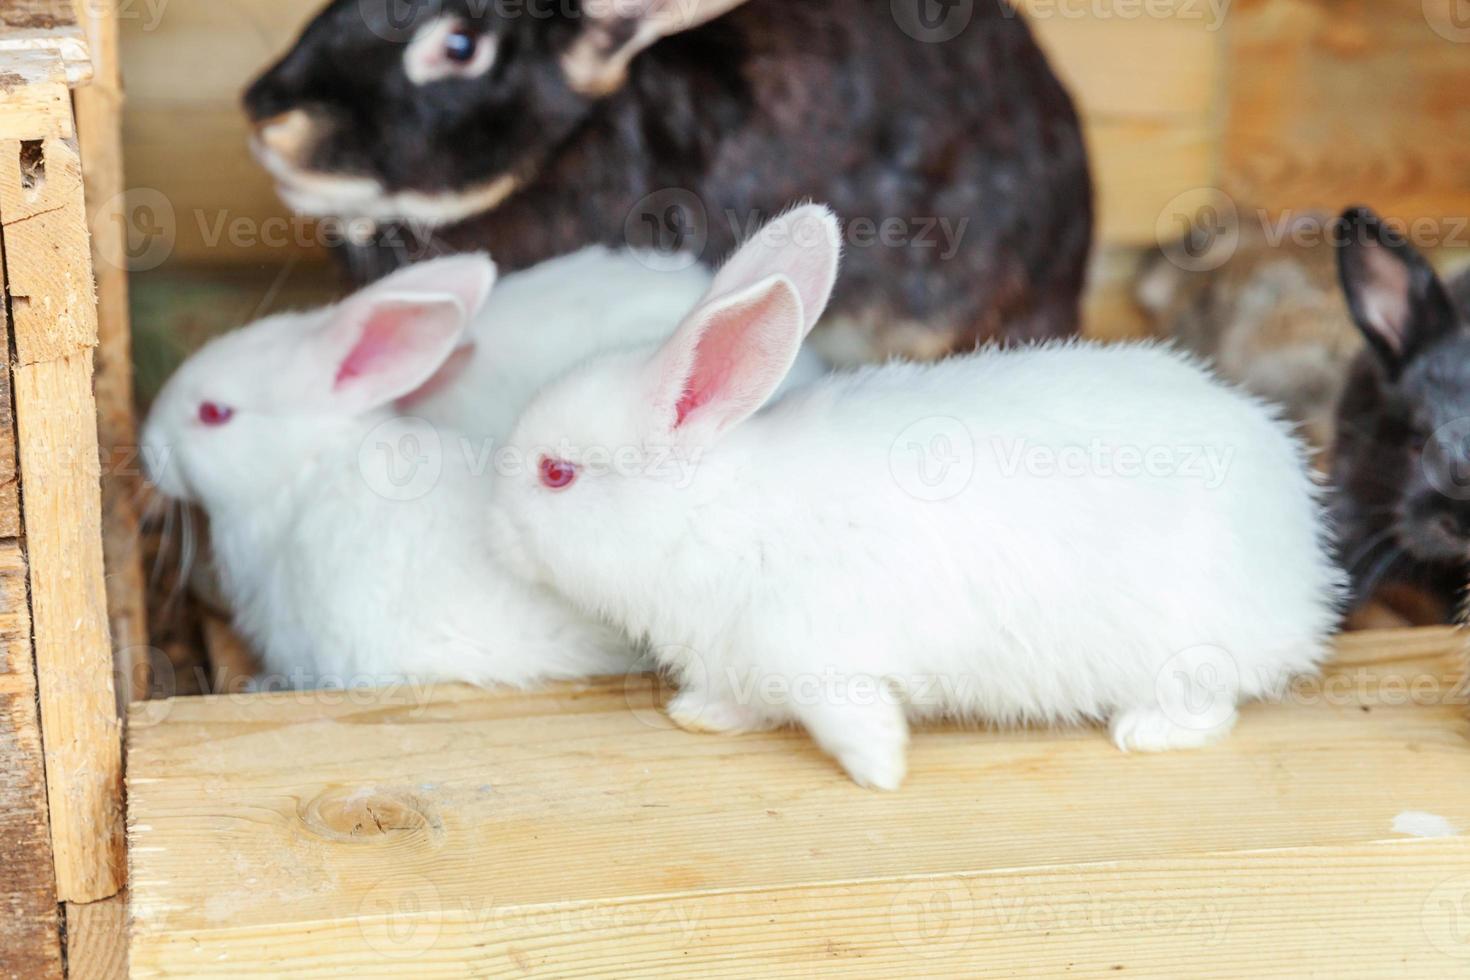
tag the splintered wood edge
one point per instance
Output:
(49, 27)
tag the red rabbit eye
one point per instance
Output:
(557, 474)
(213, 414)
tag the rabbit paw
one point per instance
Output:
(698, 711)
(1153, 730)
(869, 741)
(876, 766)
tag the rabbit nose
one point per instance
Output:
(287, 135)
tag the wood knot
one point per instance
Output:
(370, 814)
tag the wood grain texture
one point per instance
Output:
(10, 527)
(53, 317)
(56, 419)
(99, 130)
(35, 96)
(29, 945)
(53, 300)
(1332, 103)
(574, 833)
(97, 939)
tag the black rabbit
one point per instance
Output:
(1401, 467)
(534, 127)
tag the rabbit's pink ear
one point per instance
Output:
(804, 245)
(727, 359)
(390, 339)
(468, 278)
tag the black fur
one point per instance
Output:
(777, 102)
(1401, 466)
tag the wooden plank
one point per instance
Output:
(49, 285)
(62, 507)
(35, 96)
(47, 26)
(1143, 171)
(53, 299)
(97, 939)
(29, 945)
(10, 527)
(1122, 62)
(1333, 103)
(1293, 913)
(99, 128)
(572, 832)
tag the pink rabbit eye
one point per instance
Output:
(211, 413)
(557, 474)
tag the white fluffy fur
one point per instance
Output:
(539, 322)
(795, 572)
(333, 583)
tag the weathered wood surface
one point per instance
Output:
(9, 467)
(35, 97)
(52, 304)
(99, 130)
(573, 833)
(29, 945)
(49, 27)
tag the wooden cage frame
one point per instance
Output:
(419, 834)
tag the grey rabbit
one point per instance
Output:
(1401, 469)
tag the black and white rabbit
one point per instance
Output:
(1402, 463)
(532, 130)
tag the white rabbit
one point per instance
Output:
(527, 331)
(283, 431)
(1046, 535)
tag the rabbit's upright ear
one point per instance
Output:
(804, 245)
(615, 31)
(1394, 295)
(737, 346)
(725, 360)
(388, 340)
